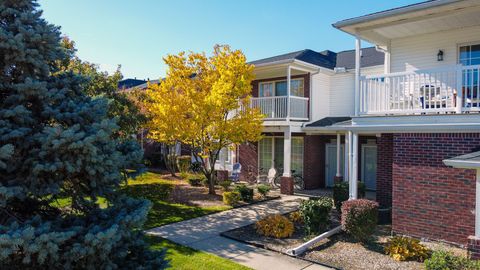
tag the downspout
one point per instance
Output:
(303, 247)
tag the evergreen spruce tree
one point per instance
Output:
(58, 143)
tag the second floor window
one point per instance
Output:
(279, 88)
(469, 55)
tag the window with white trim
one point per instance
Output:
(469, 55)
(279, 88)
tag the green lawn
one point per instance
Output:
(152, 187)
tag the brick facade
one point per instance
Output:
(248, 158)
(430, 199)
(384, 170)
(314, 161)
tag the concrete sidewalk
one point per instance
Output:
(203, 233)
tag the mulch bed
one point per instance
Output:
(184, 193)
(338, 251)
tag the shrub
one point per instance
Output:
(196, 179)
(263, 190)
(226, 184)
(341, 193)
(183, 163)
(444, 260)
(276, 226)
(184, 175)
(296, 217)
(406, 249)
(359, 218)
(246, 193)
(316, 214)
(231, 198)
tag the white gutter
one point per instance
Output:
(303, 247)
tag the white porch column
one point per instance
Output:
(358, 46)
(347, 158)
(339, 173)
(289, 71)
(459, 99)
(287, 152)
(223, 158)
(353, 160)
(477, 205)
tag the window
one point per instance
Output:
(279, 88)
(225, 153)
(297, 155)
(266, 90)
(296, 88)
(270, 150)
(265, 155)
(469, 55)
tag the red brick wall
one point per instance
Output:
(384, 170)
(314, 161)
(430, 199)
(248, 158)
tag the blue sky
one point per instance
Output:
(138, 33)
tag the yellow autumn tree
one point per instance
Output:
(205, 102)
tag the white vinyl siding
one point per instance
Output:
(420, 51)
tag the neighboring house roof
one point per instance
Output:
(328, 59)
(328, 121)
(129, 83)
(322, 59)
(370, 57)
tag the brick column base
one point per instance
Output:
(474, 247)
(286, 185)
(337, 179)
(222, 175)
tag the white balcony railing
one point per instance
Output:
(449, 89)
(276, 108)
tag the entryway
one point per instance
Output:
(369, 166)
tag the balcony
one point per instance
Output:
(453, 89)
(277, 108)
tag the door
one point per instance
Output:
(369, 166)
(331, 163)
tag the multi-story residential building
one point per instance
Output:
(391, 116)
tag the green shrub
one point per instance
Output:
(184, 175)
(196, 179)
(341, 193)
(444, 260)
(183, 163)
(360, 218)
(402, 248)
(263, 190)
(226, 184)
(316, 214)
(231, 198)
(195, 167)
(276, 226)
(246, 193)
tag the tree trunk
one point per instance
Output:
(170, 158)
(211, 183)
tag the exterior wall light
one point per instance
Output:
(440, 55)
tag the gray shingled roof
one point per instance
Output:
(370, 57)
(328, 121)
(329, 59)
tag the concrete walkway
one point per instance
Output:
(203, 233)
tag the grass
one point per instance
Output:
(152, 187)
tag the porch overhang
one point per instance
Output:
(412, 20)
(404, 124)
(279, 69)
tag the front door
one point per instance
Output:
(369, 166)
(331, 163)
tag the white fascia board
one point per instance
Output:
(463, 164)
(307, 67)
